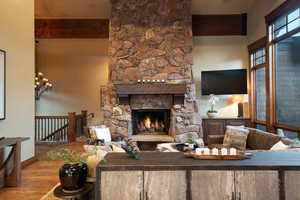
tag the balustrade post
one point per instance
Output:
(72, 127)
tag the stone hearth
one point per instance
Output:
(151, 39)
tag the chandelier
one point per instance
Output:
(41, 85)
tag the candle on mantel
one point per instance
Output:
(206, 151)
(149, 80)
(139, 81)
(224, 152)
(158, 80)
(215, 151)
(233, 151)
(144, 81)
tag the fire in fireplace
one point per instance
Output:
(151, 122)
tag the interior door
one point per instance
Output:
(165, 185)
(212, 185)
(257, 185)
(121, 185)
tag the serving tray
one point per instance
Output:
(239, 156)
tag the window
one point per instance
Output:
(285, 24)
(284, 48)
(258, 61)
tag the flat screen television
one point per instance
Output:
(224, 82)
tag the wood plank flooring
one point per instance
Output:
(37, 179)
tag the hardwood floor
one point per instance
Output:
(37, 179)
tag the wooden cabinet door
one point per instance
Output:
(291, 186)
(125, 185)
(257, 185)
(212, 185)
(165, 185)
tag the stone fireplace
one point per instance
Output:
(151, 40)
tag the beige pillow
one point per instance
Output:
(236, 137)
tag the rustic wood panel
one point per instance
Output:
(71, 28)
(292, 182)
(212, 185)
(166, 185)
(125, 185)
(203, 25)
(216, 25)
(262, 185)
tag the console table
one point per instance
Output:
(214, 128)
(10, 169)
(171, 176)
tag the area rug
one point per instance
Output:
(50, 195)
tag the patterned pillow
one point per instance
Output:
(236, 137)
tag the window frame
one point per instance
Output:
(282, 11)
(252, 50)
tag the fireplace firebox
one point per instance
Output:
(151, 121)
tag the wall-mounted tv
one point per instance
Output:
(224, 82)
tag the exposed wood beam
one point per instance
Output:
(218, 25)
(203, 25)
(71, 28)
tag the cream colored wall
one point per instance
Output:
(218, 53)
(256, 18)
(17, 39)
(77, 68)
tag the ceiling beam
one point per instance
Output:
(71, 28)
(203, 25)
(219, 25)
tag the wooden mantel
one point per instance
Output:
(124, 91)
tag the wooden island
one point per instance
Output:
(171, 176)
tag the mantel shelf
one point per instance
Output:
(151, 88)
(124, 91)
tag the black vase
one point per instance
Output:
(73, 176)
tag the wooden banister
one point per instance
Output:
(61, 128)
(72, 126)
(55, 132)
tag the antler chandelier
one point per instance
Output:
(41, 85)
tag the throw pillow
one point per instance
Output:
(279, 146)
(235, 137)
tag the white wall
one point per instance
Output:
(218, 53)
(256, 18)
(77, 68)
(17, 39)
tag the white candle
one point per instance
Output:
(158, 81)
(199, 151)
(153, 81)
(232, 151)
(149, 80)
(139, 81)
(224, 151)
(215, 151)
(144, 81)
(206, 151)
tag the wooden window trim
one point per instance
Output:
(252, 48)
(280, 11)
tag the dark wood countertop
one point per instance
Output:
(177, 161)
(227, 118)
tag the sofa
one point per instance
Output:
(256, 140)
